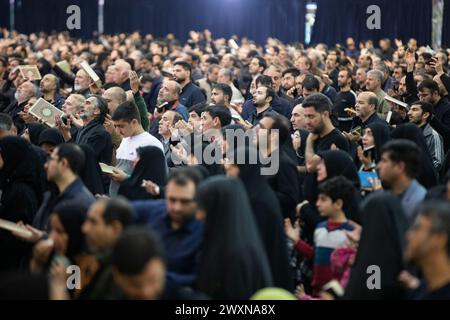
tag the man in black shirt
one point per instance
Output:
(190, 93)
(428, 246)
(345, 98)
(262, 98)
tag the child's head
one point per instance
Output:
(334, 196)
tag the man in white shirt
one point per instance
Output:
(127, 121)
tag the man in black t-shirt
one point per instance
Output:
(345, 98)
(323, 135)
(428, 246)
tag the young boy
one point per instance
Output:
(334, 195)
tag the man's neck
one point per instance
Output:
(345, 89)
(166, 137)
(138, 131)
(437, 271)
(401, 184)
(327, 130)
(65, 182)
(263, 108)
(338, 217)
(364, 119)
(49, 96)
(185, 83)
(422, 124)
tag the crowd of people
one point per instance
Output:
(219, 168)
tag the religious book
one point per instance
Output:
(14, 227)
(86, 67)
(106, 168)
(64, 66)
(45, 112)
(30, 72)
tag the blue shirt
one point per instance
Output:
(190, 95)
(182, 246)
(76, 191)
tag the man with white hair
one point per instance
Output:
(23, 93)
(122, 74)
(374, 82)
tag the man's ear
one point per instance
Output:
(216, 122)
(339, 203)
(117, 227)
(426, 115)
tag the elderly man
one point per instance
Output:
(374, 82)
(81, 83)
(226, 77)
(122, 74)
(23, 93)
(49, 87)
(170, 94)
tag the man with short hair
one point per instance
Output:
(262, 99)
(138, 266)
(323, 135)
(428, 247)
(221, 94)
(170, 94)
(127, 121)
(207, 83)
(165, 129)
(420, 114)
(288, 79)
(440, 120)
(397, 168)
(366, 112)
(374, 82)
(105, 222)
(360, 79)
(255, 68)
(7, 127)
(81, 83)
(345, 98)
(213, 119)
(63, 168)
(310, 85)
(190, 94)
(174, 220)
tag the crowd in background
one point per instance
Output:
(356, 208)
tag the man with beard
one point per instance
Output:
(190, 94)
(81, 83)
(346, 98)
(262, 99)
(173, 218)
(49, 87)
(92, 133)
(23, 93)
(323, 135)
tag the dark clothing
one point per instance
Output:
(382, 241)
(182, 246)
(344, 99)
(285, 184)
(441, 121)
(125, 85)
(280, 105)
(423, 293)
(357, 122)
(91, 173)
(151, 97)
(334, 137)
(190, 95)
(96, 136)
(75, 191)
(330, 92)
(255, 117)
(151, 166)
(57, 101)
(13, 110)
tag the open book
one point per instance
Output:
(45, 112)
(30, 72)
(14, 227)
(86, 67)
(106, 168)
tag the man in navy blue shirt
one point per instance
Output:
(190, 93)
(174, 220)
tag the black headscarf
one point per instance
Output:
(151, 166)
(34, 130)
(427, 175)
(383, 229)
(234, 263)
(337, 163)
(381, 135)
(51, 136)
(72, 215)
(91, 173)
(21, 164)
(268, 215)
